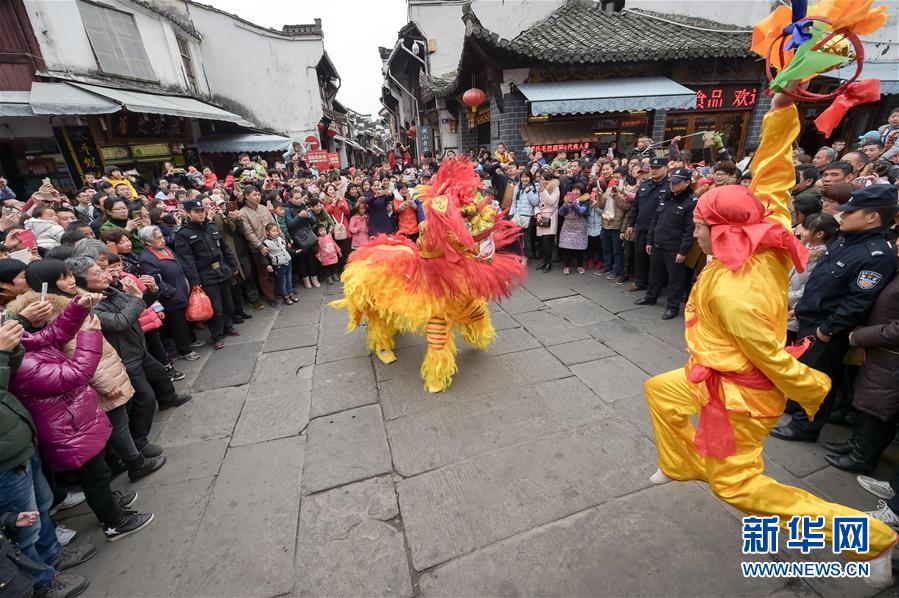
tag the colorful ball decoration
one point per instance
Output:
(473, 98)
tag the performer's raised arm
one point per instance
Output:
(773, 174)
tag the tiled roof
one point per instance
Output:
(579, 33)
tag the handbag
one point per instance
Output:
(304, 238)
(199, 306)
(340, 232)
(544, 221)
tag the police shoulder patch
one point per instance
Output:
(868, 279)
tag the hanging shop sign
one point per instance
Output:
(150, 150)
(726, 97)
(561, 147)
(117, 152)
(83, 153)
(131, 125)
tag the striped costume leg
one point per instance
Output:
(475, 324)
(440, 360)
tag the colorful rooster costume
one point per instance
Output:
(443, 280)
(739, 372)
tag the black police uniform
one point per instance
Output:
(838, 296)
(209, 263)
(640, 217)
(670, 234)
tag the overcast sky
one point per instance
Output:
(353, 31)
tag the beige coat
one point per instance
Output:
(254, 222)
(548, 206)
(111, 379)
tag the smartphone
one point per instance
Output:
(46, 181)
(43, 291)
(26, 238)
(3, 317)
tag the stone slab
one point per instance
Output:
(468, 505)
(580, 351)
(292, 337)
(210, 415)
(405, 394)
(231, 366)
(454, 431)
(341, 385)
(545, 287)
(345, 447)
(549, 328)
(123, 568)
(611, 378)
(272, 416)
(634, 409)
(579, 310)
(612, 329)
(669, 331)
(283, 370)
(257, 491)
(605, 293)
(347, 545)
(255, 329)
(512, 340)
(521, 301)
(804, 458)
(307, 311)
(649, 353)
(613, 550)
(501, 320)
(185, 462)
(334, 344)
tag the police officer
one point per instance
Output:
(839, 295)
(208, 263)
(669, 240)
(640, 217)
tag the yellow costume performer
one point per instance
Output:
(444, 280)
(739, 371)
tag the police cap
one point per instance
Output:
(872, 196)
(680, 174)
(658, 162)
(192, 204)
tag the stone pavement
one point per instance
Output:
(304, 468)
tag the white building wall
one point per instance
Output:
(66, 48)
(268, 78)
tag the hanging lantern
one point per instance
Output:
(322, 127)
(473, 98)
(412, 132)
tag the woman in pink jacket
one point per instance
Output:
(72, 429)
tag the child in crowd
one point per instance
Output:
(328, 253)
(279, 213)
(279, 262)
(359, 226)
(818, 230)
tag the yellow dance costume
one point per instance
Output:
(739, 373)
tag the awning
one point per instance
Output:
(347, 141)
(548, 133)
(15, 103)
(608, 95)
(137, 101)
(243, 143)
(887, 72)
(61, 98)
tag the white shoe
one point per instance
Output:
(660, 478)
(878, 488)
(885, 514)
(65, 535)
(881, 572)
(72, 499)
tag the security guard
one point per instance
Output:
(208, 263)
(640, 216)
(839, 295)
(668, 242)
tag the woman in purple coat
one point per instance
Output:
(72, 429)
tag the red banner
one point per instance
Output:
(334, 159)
(561, 147)
(318, 159)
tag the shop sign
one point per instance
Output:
(84, 149)
(130, 125)
(481, 117)
(115, 153)
(318, 159)
(561, 147)
(333, 159)
(727, 97)
(150, 150)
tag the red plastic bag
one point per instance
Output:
(199, 307)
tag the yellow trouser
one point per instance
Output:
(738, 480)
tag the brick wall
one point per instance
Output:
(515, 114)
(468, 138)
(755, 119)
(658, 126)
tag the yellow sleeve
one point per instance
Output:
(773, 173)
(755, 337)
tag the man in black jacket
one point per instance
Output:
(208, 263)
(119, 315)
(639, 217)
(668, 241)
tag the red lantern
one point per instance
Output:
(322, 127)
(412, 132)
(332, 132)
(473, 98)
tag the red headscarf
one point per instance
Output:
(740, 227)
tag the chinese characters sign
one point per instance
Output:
(83, 149)
(561, 147)
(805, 533)
(131, 125)
(726, 97)
(318, 159)
(333, 160)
